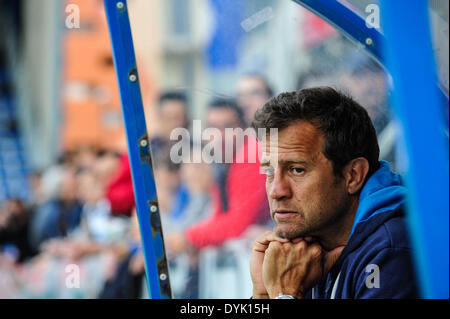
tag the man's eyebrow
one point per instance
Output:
(290, 162)
(284, 162)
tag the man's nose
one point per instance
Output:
(279, 187)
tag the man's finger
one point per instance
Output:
(259, 247)
(309, 239)
(296, 240)
(267, 237)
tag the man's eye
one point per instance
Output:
(297, 170)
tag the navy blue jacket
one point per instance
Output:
(377, 261)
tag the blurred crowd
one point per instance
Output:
(72, 219)
(82, 212)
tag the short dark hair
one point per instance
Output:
(172, 96)
(224, 103)
(346, 125)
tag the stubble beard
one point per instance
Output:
(313, 228)
(294, 230)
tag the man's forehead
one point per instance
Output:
(172, 104)
(250, 82)
(221, 114)
(300, 139)
(300, 135)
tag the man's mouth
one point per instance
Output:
(282, 214)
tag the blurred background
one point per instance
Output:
(66, 194)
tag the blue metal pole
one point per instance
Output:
(353, 27)
(418, 107)
(348, 23)
(138, 150)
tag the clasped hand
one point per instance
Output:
(280, 266)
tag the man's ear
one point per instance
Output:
(355, 174)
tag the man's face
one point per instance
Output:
(305, 196)
(251, 95)
(68, 187)
(173, 115)
(222, 118)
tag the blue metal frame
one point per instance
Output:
(354, 27)
(138, 149)
(417, 104)
(410, 60)
(348, 23)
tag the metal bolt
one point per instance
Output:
(144, 143)
(369, 41)
(163, 276)
(133, 78)
(120, 5)
(153, 208)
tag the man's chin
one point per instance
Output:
(284, 232)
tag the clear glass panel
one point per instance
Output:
(438, 11)
(246, 51)
(193, 57)
(361, 7)
(439, 29)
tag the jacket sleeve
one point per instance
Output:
(246, 198)
(120, 191)
(388, 275)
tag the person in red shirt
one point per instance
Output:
(238, 196)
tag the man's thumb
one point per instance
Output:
(330, 258)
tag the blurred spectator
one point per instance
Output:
(253, 90)
(198, 180)
(84, 156)
(235, 205)
(58, 216)
(14, 224)
(183, 261)
(37, 193)
(106, 166)
(172, 193)
(232, 210)
(127, 281)
(51, 178)
(99, 225)
(365, 80)
(173, 196)
(173, 112)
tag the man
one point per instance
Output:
(173, 113)
(252, 91)
(339, 222)
(229, 195)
